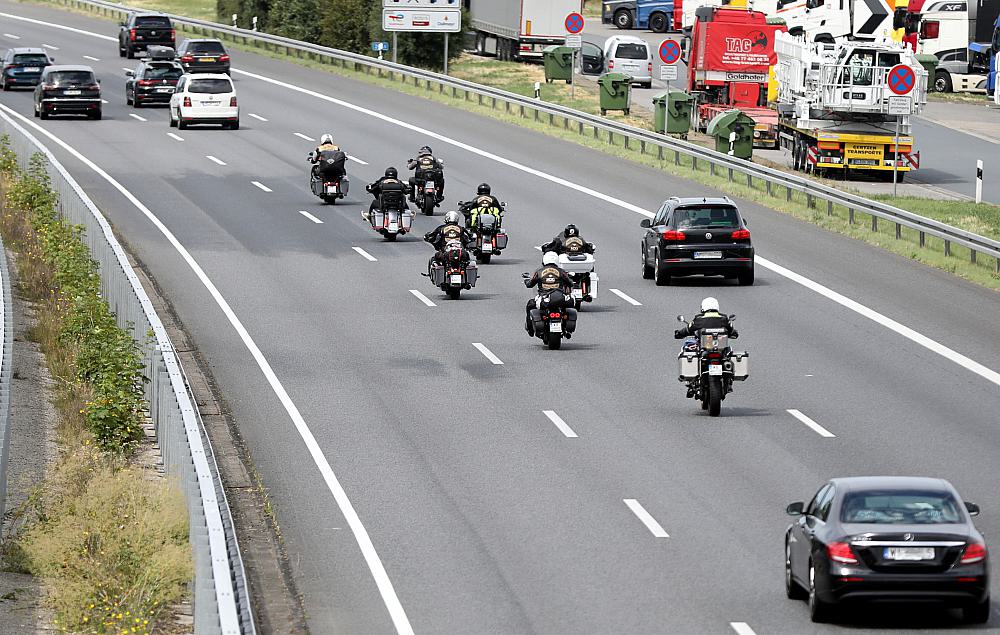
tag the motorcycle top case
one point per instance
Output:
(687, 365)
(741, 365)
(576, 263)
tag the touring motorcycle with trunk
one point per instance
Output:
(708, 366)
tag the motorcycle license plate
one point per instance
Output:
(707, 255)
(393, 227)
(331, 189)
(456, 278)
(578, 293)
(555, 327)
(715, 369)
(487, 248)
(909, 553)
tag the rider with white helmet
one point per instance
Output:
(710, 317)
(548, 278)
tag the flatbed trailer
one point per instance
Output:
(765, 130)
(827, 152)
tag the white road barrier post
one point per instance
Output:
(235, 15)
(393, 47)
(979, 181)
(538, 90)
(446, 53)
(254, 28)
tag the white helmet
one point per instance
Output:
(550, 258)
(709, 304)
(452, 218)
(327, 138)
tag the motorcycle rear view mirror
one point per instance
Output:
(645, 223)
(525, 275)
(680, 318)
(732, 316)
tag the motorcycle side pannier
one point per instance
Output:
(571, 315)
(687, 365)
(345, 185)
(741, 365)
(536, 320)
(501, 240)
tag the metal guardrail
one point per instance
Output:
(631, 136)
(6, 360)
(221, 595)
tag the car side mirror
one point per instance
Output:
(98, 81)
(795, 509)
(129, 73)
(645, 223)
(680, 318)
(972, 508)
(52, 59)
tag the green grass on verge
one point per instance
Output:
(982, 219)
(968, 98)
(198, 9)
(592, 9)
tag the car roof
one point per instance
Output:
(67, 67)
(26, 49)
(202, 39)
(209, 76)
(629, 39)
(702, 200)
(149, 14)
(901, 483)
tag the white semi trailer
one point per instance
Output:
(519, 29)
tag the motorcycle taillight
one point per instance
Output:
(554, 315)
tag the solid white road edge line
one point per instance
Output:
(257, 117)
(175, 137)
(742, 628)
(302, 136)
(626, 297)
(914, 336)
(422, 297)
(138, 117)
(215, 159)
(650, 522)
(310, 217)
(559, 423)
(382, 581)
(818, 429)
(364, 254)
(487, 353)
(260, 185)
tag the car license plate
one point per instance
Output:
(206, 59)
(715, 369)
(707, 255)
(71, 92)
(456, 279)
(210, 103)
(164, 90)
(555, 327)
(31, 69)
(909, 553)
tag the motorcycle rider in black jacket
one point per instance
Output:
(569, 241)
(394, 190)
(427, 167)
(708, 318)
(449, 232)
(548, 278)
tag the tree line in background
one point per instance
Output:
(350, 25)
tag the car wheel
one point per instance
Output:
(235, 125)
(647, 271)
(128, 100)
(818, 610)
(660, 275)
(96, 116)
(978, 613)
(35, 111)
(42, 113)
(942, 82)
(173, 122)
(180, 124)
(745, 278)
(623, 19)
(129, 52)
(792, 588)
(3, 83)
(658, 23)
(121, 52)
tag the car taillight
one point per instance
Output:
(173, 34)
(232, 102)
(672, 236)
(611, 64)
(131, 34)
(223, 58)
(841, 552)
(187, 58)
(930, 30)
(741, 234)
(649, 67)
(146, 82)
(92, 87)
(9, 67)
(187, 102)
(975, 552)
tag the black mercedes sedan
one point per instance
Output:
(697, 236)
(887, 539)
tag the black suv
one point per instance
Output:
(68, 89)
(142, 30)
(691, 236)
(23, 67)
(203, 56)
(153, 80)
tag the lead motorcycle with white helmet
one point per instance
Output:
(706, 363)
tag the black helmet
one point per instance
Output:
(571, 230)
(391, 173)
(426, 150)
(484, 189)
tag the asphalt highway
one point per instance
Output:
(571, 491)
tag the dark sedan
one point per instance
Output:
(887, 539)
(697, 236)
(152, 82)
(68, 89)
(203, 56)
(23, 67)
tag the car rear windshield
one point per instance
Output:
(72, 77)
(163, 71)
(900, 508)
(210, 86)
(206, 47)
(707, 217)
(31, 58)
(153, 22)
(632, 52)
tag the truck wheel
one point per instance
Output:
(942, 82)
(623, 19)
(480, 43)
(659, 23)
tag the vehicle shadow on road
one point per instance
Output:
(906, 617)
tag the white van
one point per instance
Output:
(630, 55)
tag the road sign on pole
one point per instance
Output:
(574, 41)
(670, 51)
(421, 4)
(668, 73)
(423, 20)
(900, 105)
(902, 79)
(574, 23)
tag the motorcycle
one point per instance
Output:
(328, 190)
(552, 320)
(393, 222)
(426, 193)
(581, 270)
(456, 273)
(708, 366)
(491, 239)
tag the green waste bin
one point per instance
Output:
(672, 112)
(616, 93)
(558, 63)
(733, 133)
(930, 64)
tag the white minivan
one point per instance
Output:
(630, 55)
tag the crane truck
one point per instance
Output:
(519, 29)
(833, 106)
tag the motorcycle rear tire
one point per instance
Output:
(485, 258)
(454, 293)
(428, 206)
(391, 237)
(554, 343)
(714, 397)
